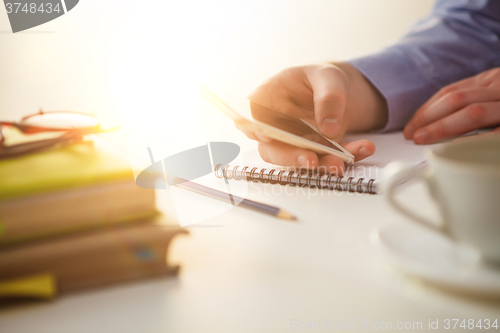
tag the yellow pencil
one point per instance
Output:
(220, 195)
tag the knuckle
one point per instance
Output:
(488, 77)
(446, 90)
(327, 69)
(332, 72)
(290, 74)
(456, 98)
(495, 77)
(476, 112)
(420, 120)
(495, 72)
(482, 80)
(441, 129)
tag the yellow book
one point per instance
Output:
(46, 269)
(41, 285)
(85, 185)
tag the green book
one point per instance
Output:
(85, 185)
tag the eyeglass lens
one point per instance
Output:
(61, 120)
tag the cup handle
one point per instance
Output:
(397, 173)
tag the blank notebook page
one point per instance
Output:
(389, 147)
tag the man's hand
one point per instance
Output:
(334, 98)
(458, 108)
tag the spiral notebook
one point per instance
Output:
(362, 177)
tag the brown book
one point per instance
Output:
(91, 259)
(86, 185)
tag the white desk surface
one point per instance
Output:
(257, 274)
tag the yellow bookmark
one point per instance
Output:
(34, 286)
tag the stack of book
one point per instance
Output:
(72, 218)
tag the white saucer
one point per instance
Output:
(433, 257)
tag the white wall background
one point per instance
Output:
(102, 52)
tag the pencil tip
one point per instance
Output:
(282, 214)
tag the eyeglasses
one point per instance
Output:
(74, 125)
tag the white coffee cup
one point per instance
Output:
(464, 180)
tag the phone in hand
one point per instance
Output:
(278, 126)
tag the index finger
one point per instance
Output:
(462, 84)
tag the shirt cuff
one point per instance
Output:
(399, 80)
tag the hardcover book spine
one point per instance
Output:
(94, 259)
(96, 206)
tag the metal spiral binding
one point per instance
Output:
(359, 186)
(216, 171)
(279, 177)
(252, 177)
(349, 182)
(328, 182)
(234, 173)
(261, 176)
(308, 180)
(299, 180)
(338, 187)
(370, 186)
(318, 181)
(268, 178)
(244, 172)
(224, 172)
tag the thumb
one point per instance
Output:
(328, 84)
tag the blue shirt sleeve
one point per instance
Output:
(459, 39)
